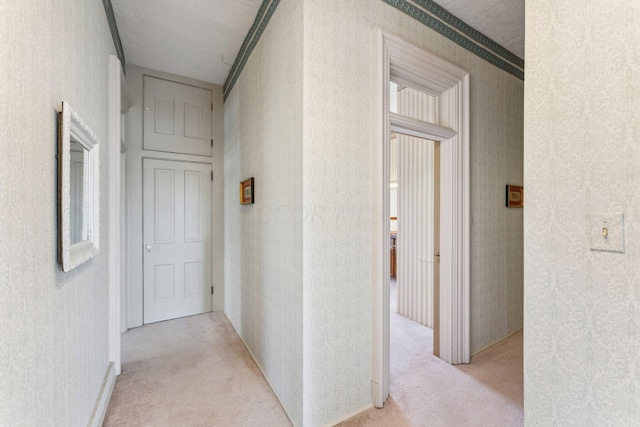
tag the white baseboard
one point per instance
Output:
(352, 414)
(497, 342)
(261, 371)
(102, 402)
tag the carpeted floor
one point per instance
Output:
(425, 391)
(195, 371)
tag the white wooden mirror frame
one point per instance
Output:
(73, 128)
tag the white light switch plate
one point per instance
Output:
(606, 232)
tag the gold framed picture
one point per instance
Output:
(515, 196)
(246, 192)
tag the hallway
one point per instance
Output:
(196, 371)
(192, 371)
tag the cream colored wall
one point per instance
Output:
(263, 241)
(338, 126)
(300, 120)
(582, 98)
(53, 325)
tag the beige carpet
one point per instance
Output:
(193, 371)
(425, 391)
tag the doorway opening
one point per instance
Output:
(414, 223)
(414, 227)
(415, 68)
(413, 205)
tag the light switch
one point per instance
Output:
(606, 233)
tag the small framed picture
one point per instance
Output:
(515, 196)
(246, 192)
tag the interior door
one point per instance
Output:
(177, 117)
(177, 239)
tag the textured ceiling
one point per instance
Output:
(500, 20)
(201, 38)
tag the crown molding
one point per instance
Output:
(108, 8)
(427, 12)
(265, 13)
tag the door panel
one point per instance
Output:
(192, 276)
(164, 206)
(164, 284)
(164, 121)
(192, 220)
(177, 117)
(177, 239)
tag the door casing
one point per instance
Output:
(450, 84)
(134, 158)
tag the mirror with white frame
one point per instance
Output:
(78, 190)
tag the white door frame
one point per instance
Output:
(437, 77)
(113, 147)
(118, 105)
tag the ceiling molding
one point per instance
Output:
(427, 12)
(462, 40)
(265, 13)
(108, 8)
(457, 23)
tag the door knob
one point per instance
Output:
(148, 248)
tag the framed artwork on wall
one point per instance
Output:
(246, 192)
(514, 196)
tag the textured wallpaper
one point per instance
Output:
(298, 262)
(337, 248)
(263, 241)
(582, 126)
(53, 325)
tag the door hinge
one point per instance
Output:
(212, 106)
(212, 142)
(211, 175)
(212, 290)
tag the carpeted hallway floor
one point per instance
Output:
(195, 371)
(425, 391)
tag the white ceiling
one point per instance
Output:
(201, 38)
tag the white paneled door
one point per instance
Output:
(177, 117)
(177, 239)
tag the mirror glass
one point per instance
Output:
(76, 173)
(78, 190)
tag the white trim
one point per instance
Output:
(275, 392)
(420, 129)
(104, 396)
(349, 415)
(73, 128)
(395, 57)
(380, 229)
(113, 149)
(486, 347)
